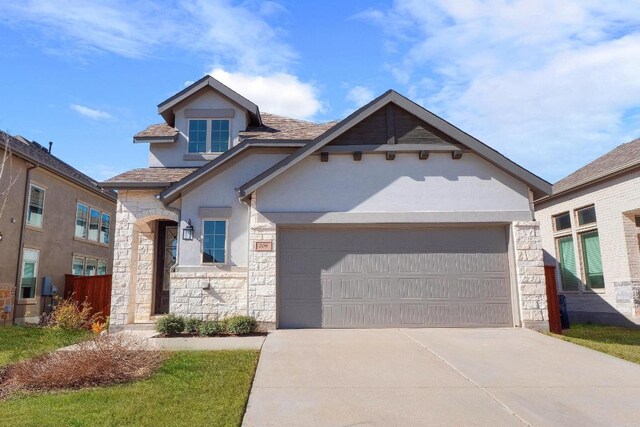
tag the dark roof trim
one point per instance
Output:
(96, 190)
(173, 192)
(149, 139)
(540, 186)
(589, 182)
(166, 111)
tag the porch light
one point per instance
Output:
(187, 232)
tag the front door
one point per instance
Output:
(166, 244)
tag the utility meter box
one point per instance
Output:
(47, 286)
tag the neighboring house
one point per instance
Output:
(390, 217)
(56, 221)
(590, 229)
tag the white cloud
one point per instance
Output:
(359, 95)
(226, 31)
(92, 113)
(277, 93)
(550, 84)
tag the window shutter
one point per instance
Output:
(592, 259)
(568, 264)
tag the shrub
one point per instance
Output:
(69, 314)
(241, 325)
(170, 325)
(211, 328)
(192, 325)
(111, 359)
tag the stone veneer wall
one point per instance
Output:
(7, 298)
(262, 267)
(209, 295)
(131, 292)
(530, 279)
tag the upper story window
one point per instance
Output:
(92, 224)
(562, 221)
(209, 136)
(586, 215)
(36, 206)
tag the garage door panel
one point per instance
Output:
(364, 277)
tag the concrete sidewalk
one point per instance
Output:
(438, 377)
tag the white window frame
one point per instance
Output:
(84, 260)
(90, 208)
(95, 264)
(75, 223)
(44, 196)
(108, 234)
(208, 135)
(91, 211)
(226, 241)
(35, 274)
(106, 267)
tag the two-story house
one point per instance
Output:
(56, 221)
(389, 217)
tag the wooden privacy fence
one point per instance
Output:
(94, 289)
(553, 305)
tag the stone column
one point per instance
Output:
(262, 267)
(144, 277)
(122, 256)
(530, 279)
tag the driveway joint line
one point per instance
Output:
(477, 385)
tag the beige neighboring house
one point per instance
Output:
(390, 217)
(56, 221)
(590, 229)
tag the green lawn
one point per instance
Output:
(190, 389)
(619, 342)
(22, 342)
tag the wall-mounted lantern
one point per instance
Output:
(187, 232)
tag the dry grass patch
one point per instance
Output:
(102, 361)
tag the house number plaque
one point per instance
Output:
(264, 246)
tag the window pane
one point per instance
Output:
(29, 278)
(592, 260)
(36, 206)
(562, 221)
(94, 221)
(78, 266)
(219, 136)
(214, 241)
(587, 215)
(82, 217)
(105, 227)
(102, 267)
(197, 136)
(568, 271)
(90, 270)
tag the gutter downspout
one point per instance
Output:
(248, 248)
(21, 242)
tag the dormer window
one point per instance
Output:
(209, 136)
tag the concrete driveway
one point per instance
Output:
(438, 377)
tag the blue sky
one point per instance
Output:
(550, 84)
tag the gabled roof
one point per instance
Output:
(173, 192)
(165, 108)
(537, 184)
(621, 159)
(39, 156)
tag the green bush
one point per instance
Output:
(210, 328)
(170, 325)
(241, 325)
(192, 325)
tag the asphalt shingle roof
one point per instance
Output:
(159, 130)
(35, 153)
(152, 175)
(280, 127)
(622, 157)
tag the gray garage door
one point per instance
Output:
(388, 277)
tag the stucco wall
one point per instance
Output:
(406, 184)
(55, 239)
(219, 191)
(614, 201)
(172, 155)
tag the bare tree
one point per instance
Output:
(7, 179)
